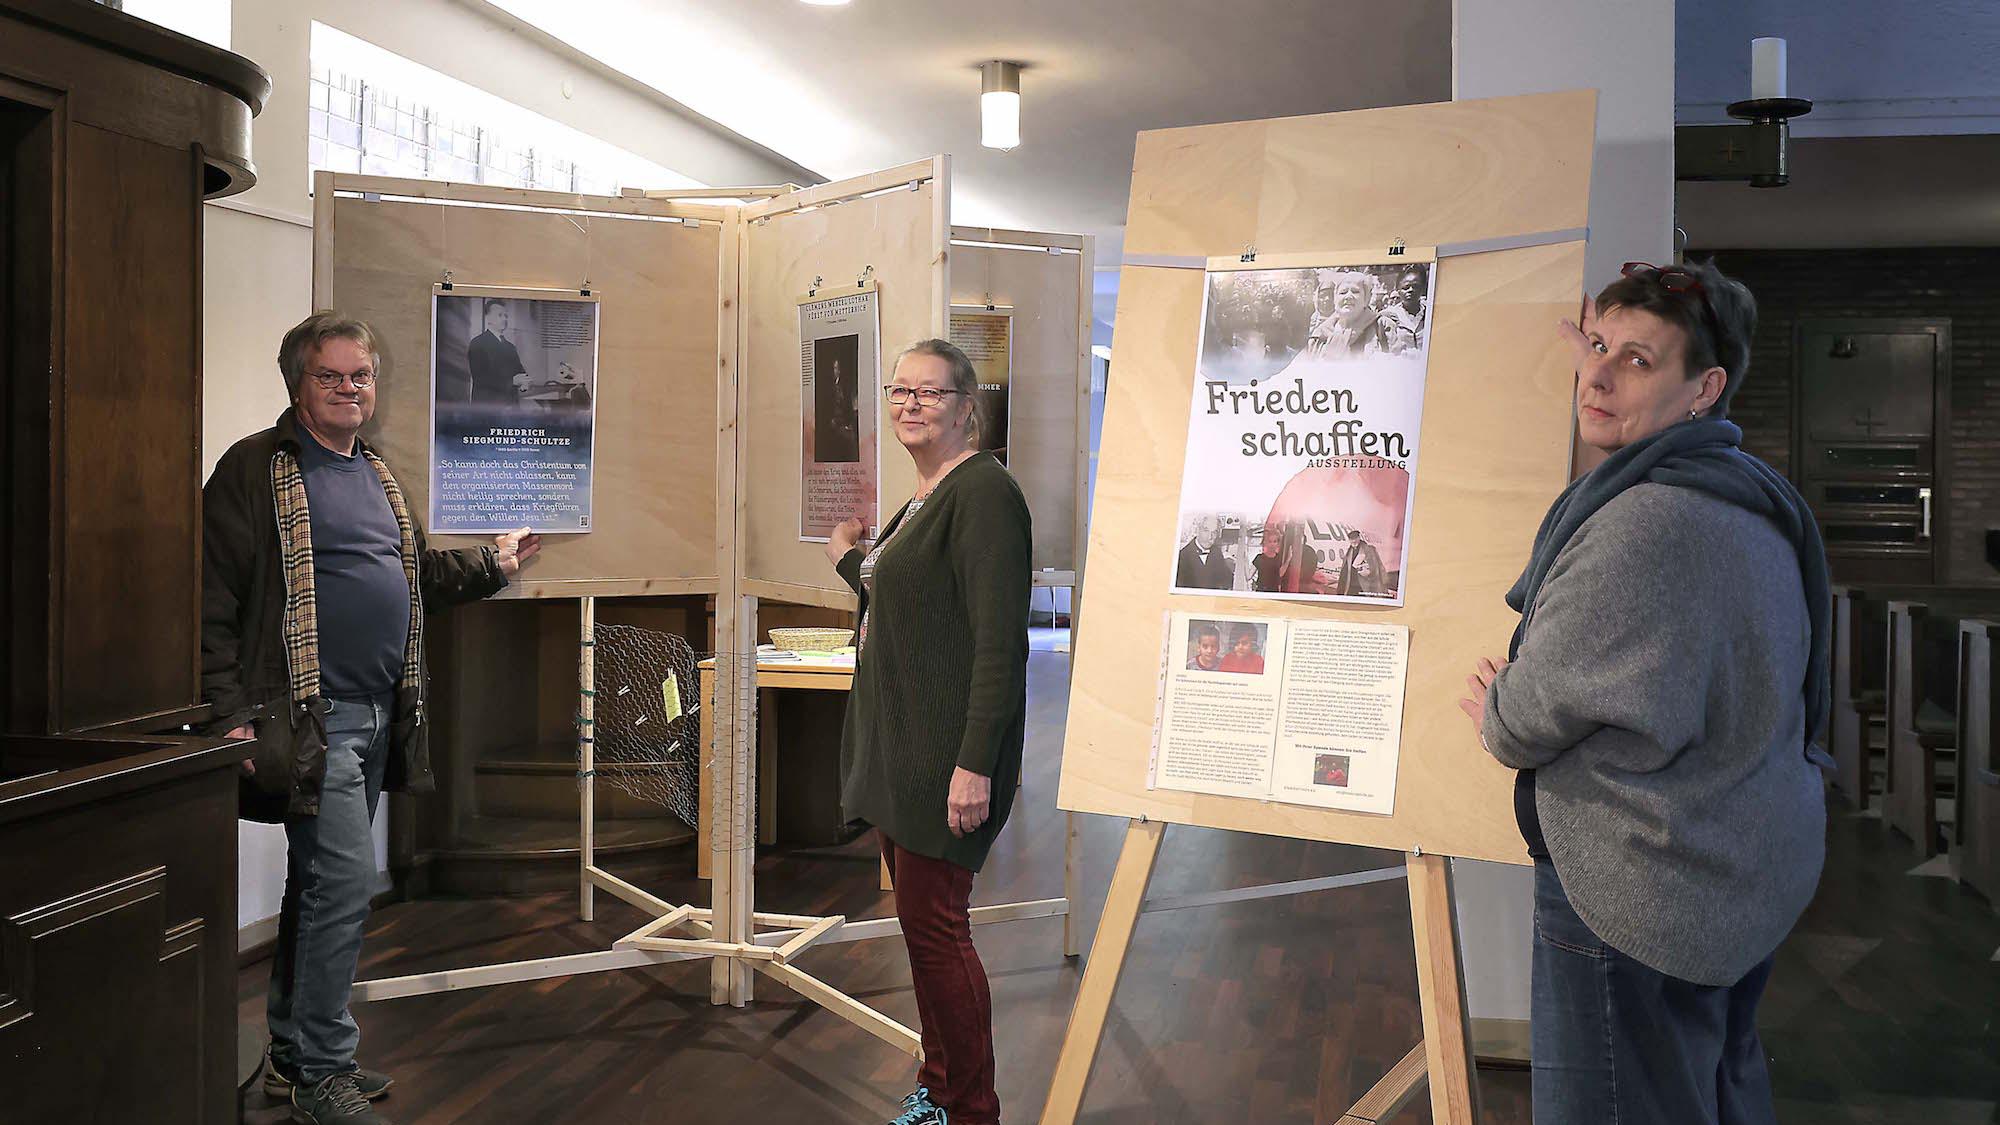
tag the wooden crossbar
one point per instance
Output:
(1393, 1092)
(846, 1007)
(807, 937)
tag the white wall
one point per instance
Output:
(258, 246)
(1625, 50)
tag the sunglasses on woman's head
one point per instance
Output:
(1673, 279)
(1677, 279)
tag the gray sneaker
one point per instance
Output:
(278, 1081)
(335, 1101)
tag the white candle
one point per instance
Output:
(1767, 68)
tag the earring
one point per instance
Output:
(1692, 415)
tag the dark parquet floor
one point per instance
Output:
(1883, 1007)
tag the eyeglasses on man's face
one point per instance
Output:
(898, 394)
(330, 380)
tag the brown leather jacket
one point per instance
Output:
(245, 674)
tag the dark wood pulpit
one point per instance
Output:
(118, 929)
(117, 829)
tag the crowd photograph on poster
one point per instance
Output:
(1303, 430)
(513, 410)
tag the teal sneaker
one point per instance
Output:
(918, 1110)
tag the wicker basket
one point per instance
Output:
(812, 640)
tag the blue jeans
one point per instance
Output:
(1617, 1043)
(330, 874)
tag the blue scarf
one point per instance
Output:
(1705, 455)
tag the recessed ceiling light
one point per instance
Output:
(826, 3)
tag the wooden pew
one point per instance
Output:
(1857, 735)
(1976, 845)
(1922, 699)
(1860, 642)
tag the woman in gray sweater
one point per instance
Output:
(1660, 700)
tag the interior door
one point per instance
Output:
(1871, 430)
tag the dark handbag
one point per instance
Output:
(266, 795)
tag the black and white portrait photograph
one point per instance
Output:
(836, 409)
(537, 353)
(1209, 553)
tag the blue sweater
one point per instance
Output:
(358, 580)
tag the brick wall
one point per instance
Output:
(1918, 284)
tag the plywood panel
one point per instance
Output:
(901, 234)
(1429, 174)
(1495, 440)
(1043, 451)
(654, 488)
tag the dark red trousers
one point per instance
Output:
(934, 904)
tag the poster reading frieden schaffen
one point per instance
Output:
(1303, 423)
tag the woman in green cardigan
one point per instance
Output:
(931, 753)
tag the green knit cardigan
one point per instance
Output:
(942, 679)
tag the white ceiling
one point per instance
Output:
(843, 91)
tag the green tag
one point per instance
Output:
(670, 695)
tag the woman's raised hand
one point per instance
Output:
(1577, 336)
(846, 534)
(1480, 683)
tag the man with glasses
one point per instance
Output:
(315, 579)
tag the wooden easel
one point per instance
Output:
(1497, 190)
(1443, 1059)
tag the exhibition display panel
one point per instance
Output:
(717, 426)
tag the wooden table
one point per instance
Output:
(806, 674)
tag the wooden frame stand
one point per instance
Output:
(698, 290)
(1443, 1059)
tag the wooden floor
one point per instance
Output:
(1885, 1006)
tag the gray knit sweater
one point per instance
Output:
(1657, 696)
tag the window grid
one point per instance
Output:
(357, 126)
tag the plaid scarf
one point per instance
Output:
(288, 487)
